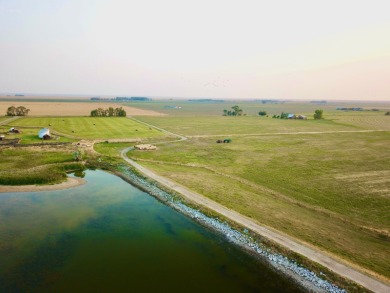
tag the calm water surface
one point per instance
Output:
(108, 236)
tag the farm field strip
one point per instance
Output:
(54, 108)
(91, 127)
(286, 133)
(374, 122)
(220, 125)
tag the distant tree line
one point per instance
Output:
(17, 111)
(236, 111)
(110, 112)
(281, 116)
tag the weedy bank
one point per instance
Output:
(36, 165)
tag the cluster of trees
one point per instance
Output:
(281, 116)
(236, 111)
(262, 113)
(318, 114)
(110, 112)
(17, 111)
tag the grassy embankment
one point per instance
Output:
(330, 190)
(46, 164)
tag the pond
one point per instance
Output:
(107, 235)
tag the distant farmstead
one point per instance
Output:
(293, 116)
(44, 133)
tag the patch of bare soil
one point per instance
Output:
(70, 183)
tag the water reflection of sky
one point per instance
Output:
(107, 233)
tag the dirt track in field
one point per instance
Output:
(71, 108)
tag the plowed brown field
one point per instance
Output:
(71, 108)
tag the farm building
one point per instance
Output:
(226, 140)
(44, 133)
(145, 147)
(14, 130)
(293, 116)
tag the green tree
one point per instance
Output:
(236, 111)
(262, 113)
(17, 111)
(11, 111)
(110, 112)
(22, 111)
(318, 114)
(283, 115)
(121, 112)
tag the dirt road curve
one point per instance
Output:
(332, 264)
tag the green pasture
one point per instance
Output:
(225, 125)
(251, 108)
(188, 108)
(30, 135)
(90, 127)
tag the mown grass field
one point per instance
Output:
(29, 135)
(90, 127)
(328, 189)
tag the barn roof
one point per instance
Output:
(43, 132)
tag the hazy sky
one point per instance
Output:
(185, 48)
